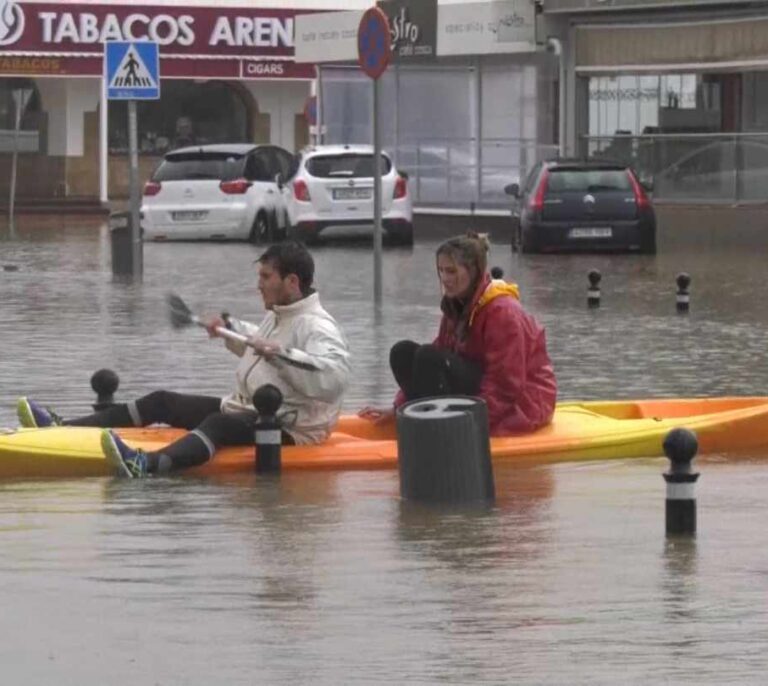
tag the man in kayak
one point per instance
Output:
(298, 347)
(487, 346)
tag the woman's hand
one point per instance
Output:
(377, 415)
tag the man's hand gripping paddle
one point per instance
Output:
(181, 317)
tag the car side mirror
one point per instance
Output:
(279, 180)
(512, 189)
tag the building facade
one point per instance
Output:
(466, 120)
(676, 88)
(227, 74)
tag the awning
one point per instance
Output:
(691, 46)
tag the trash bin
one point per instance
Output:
(444, 450)
(121, 240)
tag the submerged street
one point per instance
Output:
(326, 577)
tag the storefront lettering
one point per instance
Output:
(86, 28)
(608, 95)
(264, 69)
(402, 29)
(163, 28)
(253, 32)
(30, 65)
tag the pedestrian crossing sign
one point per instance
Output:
(131, 70)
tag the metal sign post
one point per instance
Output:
(21, 97)
(132, 72)
(137, 252)
(374, 53)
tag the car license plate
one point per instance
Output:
(351, 193)
(189, 215)
(591, 232)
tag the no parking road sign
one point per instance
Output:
(374, 47)
(132, 71)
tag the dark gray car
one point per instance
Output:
(577, 205)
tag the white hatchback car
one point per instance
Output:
(333, 186)
(217, 192)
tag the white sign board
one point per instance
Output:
(483, 28)
(326, 37)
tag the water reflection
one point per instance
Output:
(508, 530)
(679, 582)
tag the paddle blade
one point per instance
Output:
(178, 311)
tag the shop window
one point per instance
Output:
(667, 103)
(187, 113)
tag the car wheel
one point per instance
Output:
(260, 229)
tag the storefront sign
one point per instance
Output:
(58, 39)
(581, 5)
(203, 31)
(327, 37)
(37, 66)
(264, 69)
(482, 28)
(412, 27)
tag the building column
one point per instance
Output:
(70, 105)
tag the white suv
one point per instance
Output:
(217, 192)
(333, 186)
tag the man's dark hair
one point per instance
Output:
(291, 257)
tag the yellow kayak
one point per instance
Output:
(579, 431)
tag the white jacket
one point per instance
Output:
(312, 375)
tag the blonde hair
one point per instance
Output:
(469, 250)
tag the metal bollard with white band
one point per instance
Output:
(680, 447)
(683, 296)
(593, 292)
(267, 431)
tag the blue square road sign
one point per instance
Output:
(132, 70)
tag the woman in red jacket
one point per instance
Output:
(487, 346)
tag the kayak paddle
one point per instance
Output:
(181, 316)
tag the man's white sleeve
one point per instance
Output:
(241, 327)
(320, 367)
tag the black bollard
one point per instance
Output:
(444, 451)
(267, 431)
(593, 292)
(104, 384)
(680, 447)
(683, 295)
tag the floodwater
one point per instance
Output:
(327, 578)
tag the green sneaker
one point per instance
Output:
(32, 415)
(126, 461)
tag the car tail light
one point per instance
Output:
(235, 187)
(152, 188)
(300, 191)
(537, 202)
(401, 188)
(641, 198)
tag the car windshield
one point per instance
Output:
(588, 180)
(198, 165)
(351, 165)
